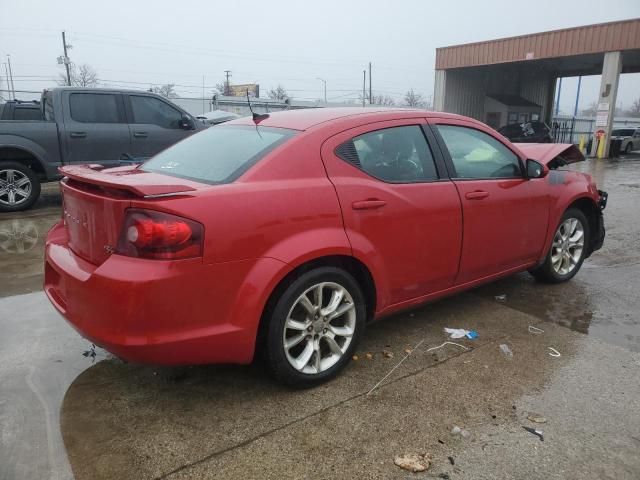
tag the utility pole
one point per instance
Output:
(364, 86)
(227, 87)
(66, 58)
(325, 88)
(13, 88)
(370, 91)
(558, 97)
(575, 109)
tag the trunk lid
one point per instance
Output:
(553, 155)
(95, 201)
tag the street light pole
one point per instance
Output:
(66, 58)
(325, 88)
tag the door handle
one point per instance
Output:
(477, 195)
(370, 204)
(140, 134)
(78, 134)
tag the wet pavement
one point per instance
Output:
(60, 413)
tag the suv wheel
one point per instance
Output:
(19, 187)
(567, 250)
(314, 327)
(629, 148)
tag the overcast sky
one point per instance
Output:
(141, 43)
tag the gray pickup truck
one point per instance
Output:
(84, 125)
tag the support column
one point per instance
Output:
(611, 68)
(439, 90)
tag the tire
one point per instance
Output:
(308, 328)
(629, 148)
(571, 252)
(19, 187)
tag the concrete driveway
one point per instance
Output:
(60, 413)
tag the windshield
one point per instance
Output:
(623, 132)
(218, 154)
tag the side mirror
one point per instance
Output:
(536, 169)
(186, 123)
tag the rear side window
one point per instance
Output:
(218, 154)
(94, 108)
(154, 111)
(24, 113)
(394, 155)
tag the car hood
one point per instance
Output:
(553, 155)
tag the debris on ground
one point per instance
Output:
(554, 352)
(460, 431)
(501, 298)
(413, 462)
(355, 357)
(451, 460)
(535, 330)
(369, 356)
(91, 352)
(504, 348)
(535, 431)
(407, 350)
(387, 353)
(461, 333)
(536, 418)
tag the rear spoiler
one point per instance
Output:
(129, 179)
(553, 155)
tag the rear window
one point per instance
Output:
(218, 154)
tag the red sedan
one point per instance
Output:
(290, 233)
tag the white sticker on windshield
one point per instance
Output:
(170, 165)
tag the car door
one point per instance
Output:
(399, 211)
(505, 214)
(95, 130)
(154, 125)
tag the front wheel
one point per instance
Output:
(315, 326)
(629, 148)
(568, 249)
(19, 187)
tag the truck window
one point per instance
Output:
(94, 108)
(154, 111)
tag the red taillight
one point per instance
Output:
(158, 235)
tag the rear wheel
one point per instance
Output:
(314, 327)
(567, 250)
(19, 187)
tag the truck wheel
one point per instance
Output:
(314, 327)
(567, 250)
(19, 187)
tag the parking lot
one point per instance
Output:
(65, 415)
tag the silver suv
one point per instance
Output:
(630, 138)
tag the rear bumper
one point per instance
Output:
(166, 313)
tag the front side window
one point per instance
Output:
(477, 155)
(94, 107)
(154, 111)
(218, 154)
(395, 155)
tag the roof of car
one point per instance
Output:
(303, 119)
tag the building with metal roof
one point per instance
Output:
(527, 67)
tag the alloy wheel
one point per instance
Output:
(15, 187)
(568, 244)
(319, 328)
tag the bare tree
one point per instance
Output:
(634, 110)
(413, 99)
(278, 93)
(224, 88)
(382, 100)
(81, 76)
(167, 90)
